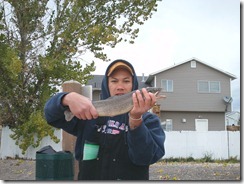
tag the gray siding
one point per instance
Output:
(185, 96)
(216, 121)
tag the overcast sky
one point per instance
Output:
(208, 30)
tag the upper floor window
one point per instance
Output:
(167, 85)
(193, 64)
(208, 86)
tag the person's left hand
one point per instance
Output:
(142, 103)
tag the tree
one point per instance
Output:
(40, 41)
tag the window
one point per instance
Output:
(193, 64)
(167, 85)
(214, 87)
(167, 125)
(208, 86)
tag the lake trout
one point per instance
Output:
(116, 105)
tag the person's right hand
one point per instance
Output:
(80, 106)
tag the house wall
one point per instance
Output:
(185, 96)
(216, 120)
(96, 95)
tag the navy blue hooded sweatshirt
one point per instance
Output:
(124, 154)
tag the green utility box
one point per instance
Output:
(52, 165)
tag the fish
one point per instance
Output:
(116, 105)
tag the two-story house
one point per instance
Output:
(195, 92)
(196, 96)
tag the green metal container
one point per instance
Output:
(55, 166)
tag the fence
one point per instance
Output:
(8, 148)
(178, 144)
(196, 144)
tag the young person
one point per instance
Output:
(111, 148)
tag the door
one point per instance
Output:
(201, 124)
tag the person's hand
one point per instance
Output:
(142, 103)
(80, 106)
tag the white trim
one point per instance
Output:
(197, 60)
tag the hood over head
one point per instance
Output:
(119, 63)
(105, 91)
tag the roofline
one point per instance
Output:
(226, 73)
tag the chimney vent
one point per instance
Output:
(143, 78)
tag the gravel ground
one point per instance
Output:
(195, 171)
(18, 169)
